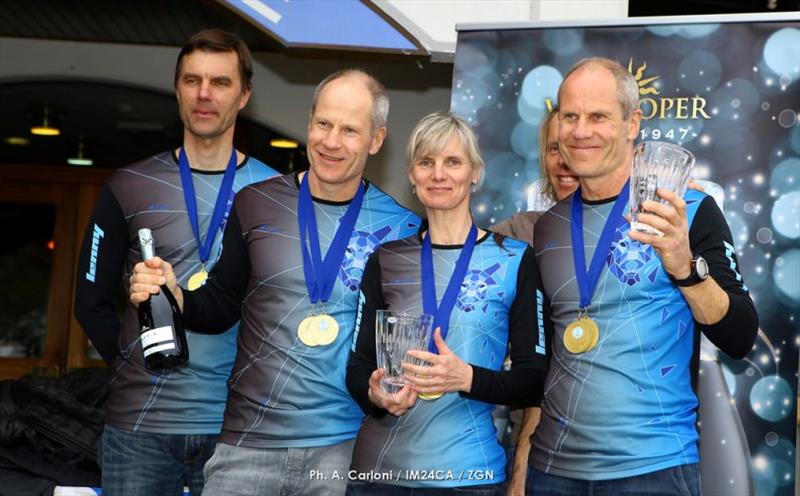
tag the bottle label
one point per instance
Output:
(161, 347)
(162, 336)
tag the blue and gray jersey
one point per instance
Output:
(188, 399)
(286, 391)
(627, 406)
(451, 441)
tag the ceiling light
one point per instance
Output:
(45, 129)
(284, 143)
(17, 141)
(85, 162)
(80, 159)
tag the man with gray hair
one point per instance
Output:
(295, 251)
(628, 308)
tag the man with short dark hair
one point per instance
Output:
(628, 308)
(162, 426)
(295, 250)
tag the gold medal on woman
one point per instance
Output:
(581, 335)
(430, 396)
(197, 279)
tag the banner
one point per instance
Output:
(727, 89)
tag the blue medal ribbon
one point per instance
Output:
(441, 314)
(320, 274)
(221, 206)
(587, 281)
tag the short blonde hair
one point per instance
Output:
(432, 133)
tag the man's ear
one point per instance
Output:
(377, 140)
(246, 94)
(636, 121)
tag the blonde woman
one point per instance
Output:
(436, 435)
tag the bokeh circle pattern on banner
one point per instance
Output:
(764, 235)
(785, 215)
(738, 226)
(684, 31)
(794, 139)
(700, 71)
(787, 118)
(734, 100)
(782, 53)
(696, 30)
(524, 139)
(785, 177)
(479, 93)
(539, 84)
(755, 267)
(564, 41)
(785, 275)
(773, 465)
(771, 439)
(771, 398)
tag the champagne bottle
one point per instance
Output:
(161, 330)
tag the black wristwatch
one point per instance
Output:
(698, 274)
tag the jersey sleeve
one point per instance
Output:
(529, 331)
(710, 237)
(216, 306)
(362, 360)
(100, 265)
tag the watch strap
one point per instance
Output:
(694, 276)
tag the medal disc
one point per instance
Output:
(581, 335)
(304, 331)
(595, 331)
(324, 329)
(430, 396)
(197, 280)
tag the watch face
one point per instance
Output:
(701, 267)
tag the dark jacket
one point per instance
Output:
(49, 431)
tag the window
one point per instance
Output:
(43, 212)
(26, 263)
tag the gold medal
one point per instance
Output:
(595, 333)
(197, 279)
(324, 329)
(430, 396)
(581, 335)
(304, 331)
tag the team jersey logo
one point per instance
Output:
(361, 246)
(627, 258)
(475, 288)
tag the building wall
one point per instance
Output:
(283, 87)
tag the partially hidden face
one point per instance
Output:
(563, 180)
(209, 92)
(444, 179)
(340, 137)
